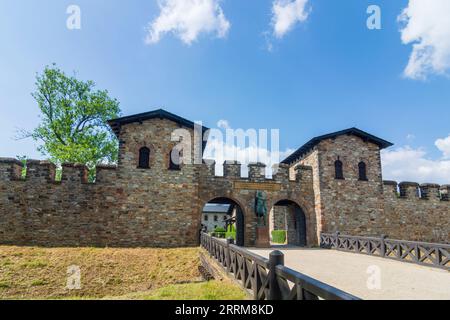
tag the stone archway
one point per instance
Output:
(237, 214)
(287, 215)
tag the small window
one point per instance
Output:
(339, 173)
(144, 158)
(362, 171)
(206, 217)
(216, 218)
(174, 160)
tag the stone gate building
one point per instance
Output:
(333, 182)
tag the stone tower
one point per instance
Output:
(347, 180)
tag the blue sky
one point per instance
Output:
(324, 73)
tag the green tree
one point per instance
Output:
(74, 116)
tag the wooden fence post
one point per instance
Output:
(227, 254)
(275, 258)
(383, 245)
(336, 239)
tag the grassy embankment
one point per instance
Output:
(41, 273)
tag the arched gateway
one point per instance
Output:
(234, 217)
(143, 201)
(242, 192)
(286, 215)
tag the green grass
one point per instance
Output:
(279, 236)
(36, 283)
(211, 290)
(108, 273)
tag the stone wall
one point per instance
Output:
(371, 207)
(128, 206)
(421, 213)
(299, 191)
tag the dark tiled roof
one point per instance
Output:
(115, 124)
(217, 208)
(352, 131)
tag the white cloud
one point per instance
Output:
(444, 146)
(409, 164)
(286, 14)
(187, 19)
(427, 27)
(244, 155)
(244, 146)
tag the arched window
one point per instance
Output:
(174, 160)
(362, 171)
(144, 158)
(338, 168)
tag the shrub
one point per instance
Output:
(219, 229)
(230, 234)
(279, 236)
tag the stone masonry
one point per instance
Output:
(128, 206)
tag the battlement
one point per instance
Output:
(257, 172)
(10, 169)
(414, 190)
(40, 172)
(105, 173)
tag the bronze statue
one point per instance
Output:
(261, 207)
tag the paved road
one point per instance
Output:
(349, 272)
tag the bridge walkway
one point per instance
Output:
(357, 274)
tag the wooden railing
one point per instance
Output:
(429, 254)
(268, 279)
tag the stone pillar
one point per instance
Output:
(430, 191)
(210, 166)
(280, 172)
(257, 172)
(40, 171)
(74, 173)
(105, 173)
(232, 169)
(10, 169)
(408, 189)
(445, 192)
(390, 188)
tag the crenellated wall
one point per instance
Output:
(416, 212)
(132, 207)
(38, 210)
(157, 206)
(243, 191)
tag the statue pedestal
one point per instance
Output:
(262, 237)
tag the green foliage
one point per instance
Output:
(230, 234)
(231, 228)
(279, 236)
(23, 159)
(219, 232)
(74, 116)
